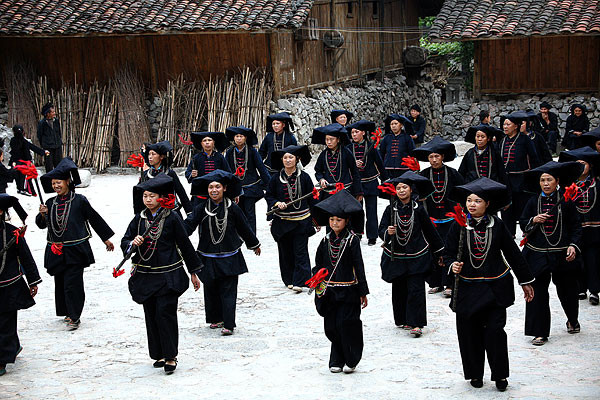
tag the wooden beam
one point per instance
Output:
(273, 43)
(477, 71)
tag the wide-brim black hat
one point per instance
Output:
(436, 145)
(335, 129)
(420, 184)
(565, 172)
(66, 169)
(283, 117)
(516, 118)
(163, 148)
(400, 118)
(8, 201)
(489, 131)
(590, 138)
(161, 184)
(221, 142)
(586, 154)
(251, 138)
(301, 152)
(343, 205)
(232, 182)
(362, 125)
(336, 113)
(496, 193)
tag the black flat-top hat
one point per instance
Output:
(489, 131)
(162, 184)
(418, 183)
(163, 148)
(496, 193)
(336, 113)
(362, 125)
(283, 117)
(301, 152)
(66, 169)
(335, 129)
(436, 145)
(400, 118)
(590, 138)
(516, 117)
(8, 201)
(586, 154)
(221, 142)
(232, 182)
(566, 173)
(343, 205)
(251, 138)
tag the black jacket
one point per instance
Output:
(541, 147)
(394, 147)
(268, 146)
(438, 204)
(216, 161)
(522, 157)
(345, 170)
(588, 206)
(50, 137)
(372, 166)
(182, 197)
(545, 128)
(75, 239)
(472, 165)
(6, 176)
(20, 149)
(256, 176)
(417, 128)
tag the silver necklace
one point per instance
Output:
(340, 250)
(245, 163)
(220, 223)
(59, 223)
(153, 235)
(405, 227)
(443, 189)
(277, 146)
(338, 164)
(558, 222)
(509, 149)
(364, 156)
(585, 196)
(294, 191)
(482, 243)
(3, 246)
(489, 163)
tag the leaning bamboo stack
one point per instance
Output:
(18, 81)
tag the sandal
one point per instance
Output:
(406, 327)
(216, 325)
(501, 384)
(159, 363)
(573, 329)
(169, 368)
(2, 369)
(226, 332)
(539, 341)
(416, 331)
(434, 290)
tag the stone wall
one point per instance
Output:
(458, 117)
(372, 101)
(3, 110)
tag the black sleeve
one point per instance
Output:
(359, 266)
(243, 228)
(263, 150)
(96, 221)
(356, 188)
(191, 166)
(265, 176)
(271, 192)
(181, 194)
(526, 221)
(464, 169)
(384, 223)
(534, 159)
(194, 219)
(320, 166)
(27, 263)
(34, 148)
(192, 261)
(130, 234)
(572, 219)
(436, 244)
(308, 186)
(383, 176)
(321, 252)
(457, 178)
(39, 130)
(40, 220)
(452, 241)
(513, 256)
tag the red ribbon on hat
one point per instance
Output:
(388, 188)
(412, 163)
(136, 160)
(571, 192)
(376, 136)
(186, 142)
(239, 172)
(315, 194)
(459, 215)
(27, 169)
(319, 277)
(338, 188)
(167, 202)
(57, 248)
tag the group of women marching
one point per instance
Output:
(426, 236)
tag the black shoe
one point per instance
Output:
(159, 363)
(2, 369)
(501, 385)
(372, 242)
(594, 300)
(582, 296)
(169, 369)
(477, 383)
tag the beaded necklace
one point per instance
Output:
(489, 171)
(219, 223)
(243, 164)
(509, 149)
(294, 190)
(3, 265)
(556, 225)
(443, 189)
(153, 235)
(404, 225)
(335, 251)
(482, 243)
(585, 198)
(338, 164)
(364, 156)
(58, 224)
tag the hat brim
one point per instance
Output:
(303, 155)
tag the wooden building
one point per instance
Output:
(299, 42)
(527, 46)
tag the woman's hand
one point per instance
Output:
(391, 230)
(33, 290)
(540, 218)
(257, 251)
(46, 152)
(195, 281)
(281, 205)
(43, 209)
(323, 183)
(441, 261)
(457, 267)
(137, 241)
(571, 253)
(359, 198)
(194, 173)
(527, 293)
(363, 301)
(109, 245)
(359, 163)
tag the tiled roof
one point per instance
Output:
(92, 17)
(478, 19)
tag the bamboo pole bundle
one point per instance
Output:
(20, 89)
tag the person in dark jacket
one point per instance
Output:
(396, 144)
(588, 206)
(518, 155)
(342, 117)
(577, 124)
(336, 164)
(485, 118)
(159, 159)
(209, 159)
(592, 139)
(343, 292)
(279, 135)
(291, 223)
(410, 243)
(549, 125)
(158, 279)
(50, 137)
(20, 151)
(371, 170)
(485, 287)
(222, 230)
(247, 165)
(483, 159)
(531, 127)
(19, 279)
(444, 179)
(6, 175)
(68, 216)
(416, 130)
(553, 229)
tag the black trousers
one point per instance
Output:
(248, 206)
(537, 312)
(343, 328)
(9, 340)
(52, 160)
(589, 276)
(220, 296)
(439, 276)
(480, 333)
(394, 173)
(161, 326)
(511, 215)
(371, 216)
(552, 140)
(294, 261)
(69, 293)
(408, 300)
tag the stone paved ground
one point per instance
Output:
(279, 349)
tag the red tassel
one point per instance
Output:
(523, 242)
(118, 273)
(136, 160)
(571, 192)
(376, 137)
(319, 277)
(412, 163)
(28, 169)
(186, 142)
(388, 188)
(316, 194)
(459, 216)
(167, 202)
(57, 248)
(18, 233)
(239, 172)
(338, 188)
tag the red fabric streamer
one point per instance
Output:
(433, 221)
(186, 142)
(458, 215)
(412, 163)
(239, 172)
(118, 273)
(167, 202)
(316, 194)
(136, 160)
(27, 169)
(338, 188)
(376, 137)
(18, 233)
(523, 242)
(319, 277)
(571, 192)
(388, 188)
(57, 248)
